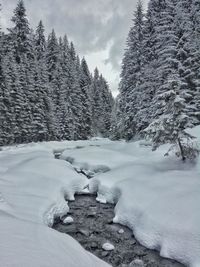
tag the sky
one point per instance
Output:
(98, 28)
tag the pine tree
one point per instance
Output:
(149, 81)
(163, 97)
(5, 112)
(45, 92)
(195, 58)
(102, 104)
(52, 61)
(20, 33)
(131, 76)
(41, 81)
(86, 111)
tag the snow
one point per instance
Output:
(108, 247)
(157, 197)
(68, 220)
(121, 231)
(32, 189)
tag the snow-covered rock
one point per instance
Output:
(121, 231)
(68, 220)
(108, 246)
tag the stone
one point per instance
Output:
(139, 250)
(104, 253)
(108, 246)
(68, 220)
(84, 232)
(121, 231)
(94, 245)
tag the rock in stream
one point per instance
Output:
(92, 227)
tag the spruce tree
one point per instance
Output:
(20, 33)
(86, 110)
(42, 82)
(131, 76)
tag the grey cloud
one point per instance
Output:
(93, 25)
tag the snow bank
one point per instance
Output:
(95, 158)
(32, 189)
(157, 197)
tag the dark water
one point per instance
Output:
(92, 227)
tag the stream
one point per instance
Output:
(92, 227)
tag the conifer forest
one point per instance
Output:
(99, 133)
(46, 91)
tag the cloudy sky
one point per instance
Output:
(98, 28)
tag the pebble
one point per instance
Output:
(121, 231)
(68, 220)
(104, 253)
(108, 247)
(83, 232)
(94, 245)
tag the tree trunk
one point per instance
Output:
(181, 150)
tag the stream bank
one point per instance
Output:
(92, 227)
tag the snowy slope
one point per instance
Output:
(32, 189)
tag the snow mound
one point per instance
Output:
(33, 187)
(157, 197)
(95, 159)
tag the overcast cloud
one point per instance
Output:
(98, 28)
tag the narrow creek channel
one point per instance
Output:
(92, 227)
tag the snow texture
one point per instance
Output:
(33, 187)
(157, 197)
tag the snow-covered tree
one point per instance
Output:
(131, 75)
(159, 97)
(20, 33)
(45, 92)
(86, 109)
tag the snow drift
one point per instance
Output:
(157, 197)
(32, 189)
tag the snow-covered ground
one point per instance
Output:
(157, 197)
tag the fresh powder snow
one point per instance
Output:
(157, 197)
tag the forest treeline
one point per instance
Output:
(46, 91)
(160, 78)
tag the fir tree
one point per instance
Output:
(131, 75)
(85, 85)
(20, 33)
